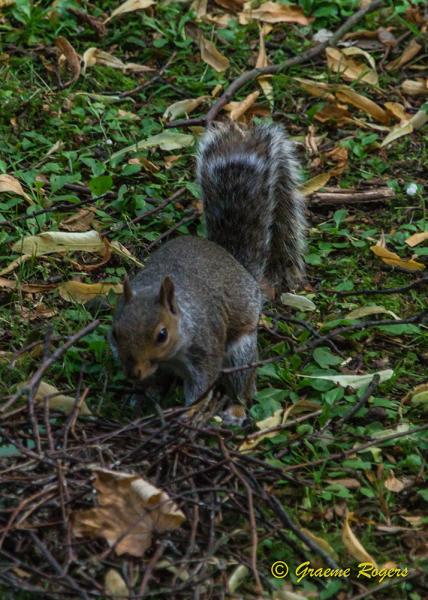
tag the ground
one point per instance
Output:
(62, 132)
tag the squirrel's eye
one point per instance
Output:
(162, 336)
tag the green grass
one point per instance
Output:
(89, 121)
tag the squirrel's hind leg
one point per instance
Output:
(241, 352)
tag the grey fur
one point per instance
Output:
(249, 181)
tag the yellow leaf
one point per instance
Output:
(212, 56)
(130, 6)
(392, 259)
(58, 401)
(365, 311)
(10, 184)
(398, 111)
(238, 109)
(273, 12)
(354, 50)
(413, 240)
(130, 511)
(414, 87)
(338, 62)
(115, 586)
(344, 94)
(59, 241)
(321, 542)
(315, 183)
(353, 545)
(76, 291)
(183, 107)
(416, 122)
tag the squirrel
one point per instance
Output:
(195, 306)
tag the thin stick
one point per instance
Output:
(354, 409)
(356, 449)
(392, 290)
(253, 524)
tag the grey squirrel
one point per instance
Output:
(194, 308)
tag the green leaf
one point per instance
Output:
(100, 185)
(325, 358)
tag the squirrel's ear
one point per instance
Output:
(167, 295)
(127, 291)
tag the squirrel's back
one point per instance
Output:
(249, 182)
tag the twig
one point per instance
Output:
(310, 543)
(118, 227)
(252, 74)
(151, 81)
(356, 449)
(253, 525)
(31, 387)
(194, 214)
(350, 197)
(152, 564)
(354, 409)
(419, 318)
(392, 290)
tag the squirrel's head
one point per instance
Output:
(146, 330)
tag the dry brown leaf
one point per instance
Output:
(58, 401)
(71, 57)
(130, 511)
(80, 221)
(273, 12)
(211, 56)
(333, 112)
(115, 586)
(349, 482)
(200, 8)
(386, 37)
(344, 94)
(147, 164)
(95, 56)
(6, 3)
(129, 6)
(415, 87)
(353, 545)
(10, 184)
(416, 122)
(231, 5)
(76, 291)
(349, 69)
(262, 61)
(410, 51)
(238, 109)
(392, 259)
(27, 288)
(15, 263)
(393, 484)
(398, 111)
(339, 155)
(413, 240)
(40, 311)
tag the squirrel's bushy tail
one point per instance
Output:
(249, 180)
